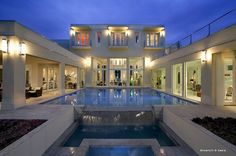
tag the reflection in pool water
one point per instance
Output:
(118, 97)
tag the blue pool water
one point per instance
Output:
(118, 97)
(120, 151)
(118, 132)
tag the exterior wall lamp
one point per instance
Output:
(22, 48)
(5, 45)
(204, 56)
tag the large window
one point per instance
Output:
(100, 71)
(82, 38)
(136, 71)
(159, 78)
(228, 81)
(152, 39)
(177, 79)
(193, 80)
(50, 77)
(118, 71)
(118, 39)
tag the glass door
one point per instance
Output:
(228, 81)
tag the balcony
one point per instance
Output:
(153, 46)
(118, 44)
(82, 46)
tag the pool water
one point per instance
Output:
(120, 151)
(118, 132)
(118, 97)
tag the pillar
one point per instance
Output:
(89, 74)
(169, 76)
(108, 72)
(61, 83)
(207, 91)
(78, 77)
(13, 93)
(218, 80)
(146, 75)
(127, 72)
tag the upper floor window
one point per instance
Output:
(98, 38)
(136, 37)
(152, 39)
(82, 38)
(118, 39)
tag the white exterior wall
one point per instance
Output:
(132, 51)
(14, 64)
(222, 41)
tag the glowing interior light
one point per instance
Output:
(4, 45)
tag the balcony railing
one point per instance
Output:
(226, 20)
(82, 46)
(154, 46)
(118, 44)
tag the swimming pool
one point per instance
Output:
(118, 97)
(118, 132)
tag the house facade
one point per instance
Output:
(117, 55)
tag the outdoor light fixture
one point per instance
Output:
(147, 62)
(5, 45)
(204, 56)
(22, 48)
(162, 33)
(72, 32)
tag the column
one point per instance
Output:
(169, 77)
(61, 83)
(78, 77)
(217, 79)
(89, 74)
(183, 80)
(13, 93)
(146, 75)
(127, 72)
(108, 72)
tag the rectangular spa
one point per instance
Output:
(118, 97)
(120, 151)
(118, 132)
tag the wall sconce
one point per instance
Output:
(88, 62)
(162, 33)
(108, 32)
(147, 62)
(5, 45)
(72, 32)
(127, 33)
(204, 56)
(22, 48)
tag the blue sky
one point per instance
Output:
(52, 18)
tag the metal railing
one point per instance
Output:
(226, 20)
(118, 43)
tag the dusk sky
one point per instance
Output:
(52, 18)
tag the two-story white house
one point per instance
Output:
(117, 55)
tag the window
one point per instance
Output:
(98, 38)
(193, 80)
(136, 37)
(177, 72)
(82, 38)
(118, 39)
(152, 39)
(159, 78)
(228, 81)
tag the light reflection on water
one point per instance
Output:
(118, 97)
